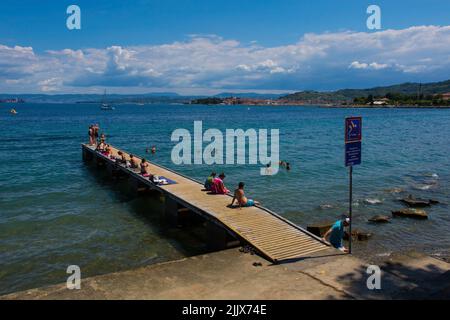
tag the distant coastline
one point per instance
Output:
(406, 95)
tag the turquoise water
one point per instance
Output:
(56, 211)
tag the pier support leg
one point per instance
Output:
(87, 156)
(98, 161)
(218, 238)
(113, 170)
(171, 211)
(136, 185)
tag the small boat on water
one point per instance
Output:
(106, 106)
(13, 111)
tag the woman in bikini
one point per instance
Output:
(242, 200)
(101, 146)
(144, 168)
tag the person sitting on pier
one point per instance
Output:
(209, 181)
(133, 162)
(218, 187)
(242, 200)
(121, 159)
(336, 233)
(101, 146)
(107, 151)
(144, 168)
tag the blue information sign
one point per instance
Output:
(353, 136)
(352, 153)
(353, 129)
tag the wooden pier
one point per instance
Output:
(273, 236)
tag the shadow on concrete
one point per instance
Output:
(412, 278)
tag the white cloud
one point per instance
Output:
(316, 61)
(370, 66)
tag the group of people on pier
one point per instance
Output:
(215, 185)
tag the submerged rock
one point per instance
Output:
(418, 203)
(410, 201)
(358, 235)
(394, 190)
(373, 201)
(411, 213)
(380, 218)
(364, 236)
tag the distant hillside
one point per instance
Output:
(250, 95)
(349, 94)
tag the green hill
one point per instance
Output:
(408, 88)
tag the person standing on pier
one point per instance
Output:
(336, 233)
(91, 135)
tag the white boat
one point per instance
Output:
(106, 106)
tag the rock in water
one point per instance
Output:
(358, 235)
(320, 228)
(380, 218)
(411, 213)
(364, 236)
(410, 201)
(433, 201)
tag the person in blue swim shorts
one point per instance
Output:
(241, 199)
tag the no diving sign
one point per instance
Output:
(353, 136)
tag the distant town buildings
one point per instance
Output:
(446, 96)
(12, 100)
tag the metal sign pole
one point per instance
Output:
(350, 200)
(353, 137)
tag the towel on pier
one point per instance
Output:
(164, 181)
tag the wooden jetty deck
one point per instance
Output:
(273, 236)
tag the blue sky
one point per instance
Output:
(247, 45)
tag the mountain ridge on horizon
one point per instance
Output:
(438, 87)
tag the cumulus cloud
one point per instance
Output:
(363, 65)
(317, 61)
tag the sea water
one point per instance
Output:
(56, 211)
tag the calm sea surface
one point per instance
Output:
(56, 211)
